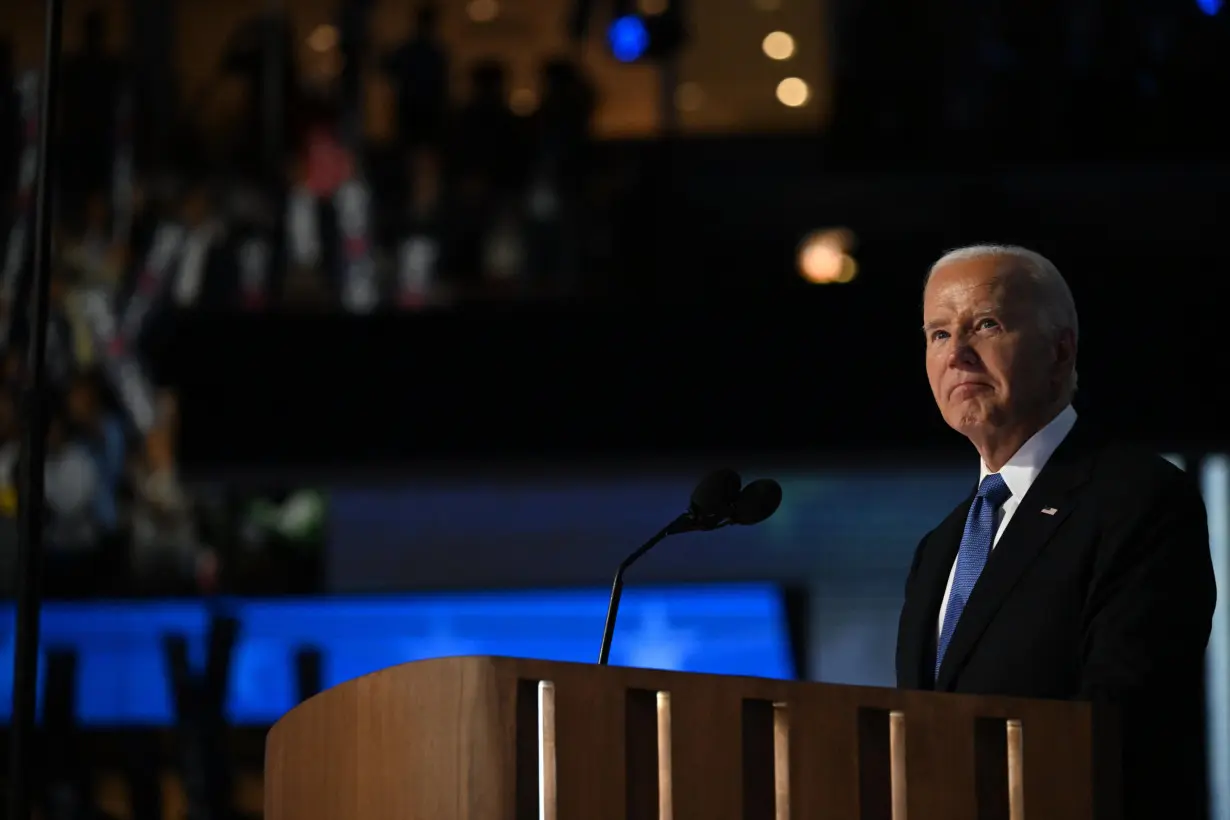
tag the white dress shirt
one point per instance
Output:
(1019, 474)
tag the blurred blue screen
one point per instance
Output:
(123, 675)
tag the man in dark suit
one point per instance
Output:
(1079, 568)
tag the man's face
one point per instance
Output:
(989, 362)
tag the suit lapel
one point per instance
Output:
(919, 620)
(1040, 513)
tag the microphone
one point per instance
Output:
(758, 501)
(713, 503)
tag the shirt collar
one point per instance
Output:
(1023, 468)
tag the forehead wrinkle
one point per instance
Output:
(951, 296)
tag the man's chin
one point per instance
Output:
(968, 419)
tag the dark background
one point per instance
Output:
(721, 346)
(506, 430)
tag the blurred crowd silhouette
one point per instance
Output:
(290, 205)
(120, 520)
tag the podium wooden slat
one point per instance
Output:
(1054, 756)
(824, 761)
(460, 738)
(940, 761)
(589, 725)
(706, 750)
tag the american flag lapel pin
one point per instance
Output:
(1049, 510)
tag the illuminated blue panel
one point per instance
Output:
(121, 674)
(123, 679)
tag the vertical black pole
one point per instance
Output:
(668, 88)
(34, 445)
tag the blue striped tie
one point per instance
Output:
(976, 544)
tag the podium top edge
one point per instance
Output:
(571, 673)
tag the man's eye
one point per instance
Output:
(939, 335)
(984, 324)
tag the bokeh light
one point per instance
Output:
(824, 257)
(793, 92)
(778, 45)
(628, 38)
(482, 11)
(323, 38)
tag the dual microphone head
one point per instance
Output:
(721, 500)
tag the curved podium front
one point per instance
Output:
(482, 738)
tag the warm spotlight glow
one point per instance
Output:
(778, 45)
(323, 38)
(824, 257)
(482, 11)
(793, 92)
(689, 97)
(523, 102)
(651, 8)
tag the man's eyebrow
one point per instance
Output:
(934, 324)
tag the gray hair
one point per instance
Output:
(1055, 305)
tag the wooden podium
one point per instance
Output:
(482, 738)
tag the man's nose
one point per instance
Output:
(962, 353)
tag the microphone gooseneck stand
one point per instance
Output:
(687, 522)
(34, 444)
(617, 591)
(712, 508)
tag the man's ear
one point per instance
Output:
(1065, 350)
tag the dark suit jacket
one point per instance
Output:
(1110, 599)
